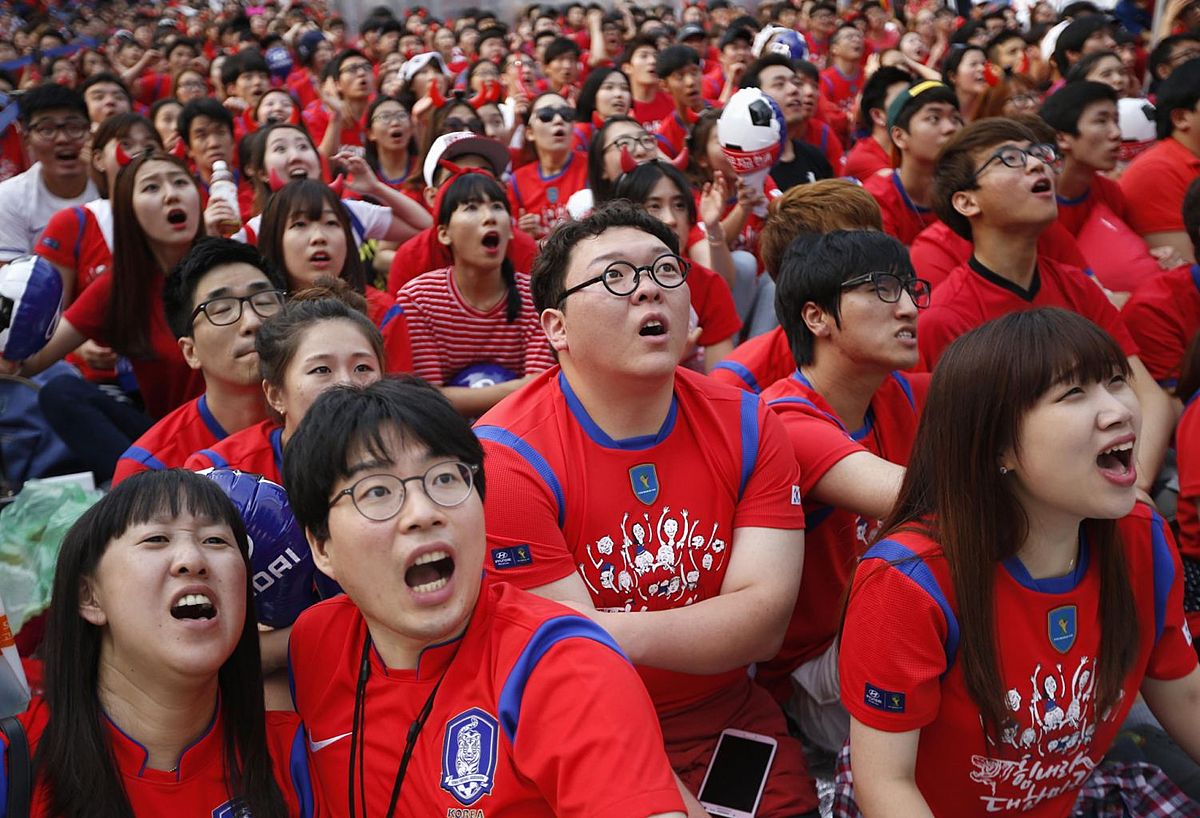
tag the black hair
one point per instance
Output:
(637, 185)
(559, 47)
(752, 78)
(103, 77)
(954, 59)
(1180, 91)
(180, 42)
(72, 656)
(334, 67)
(347, 420)
(585, 105)
(1003, 37)
(371, 150)
(815, 266)
(1161, 55)
(1064, 107)
(1074, 36)
(280, 335)
(634, 43)
(1086, 63)
(601, 187)
(205, 106)
(675, 58)
(550, 265)
(244, 62)
(50, 96)
(179, 289)
(310, 197)
(914, 105)
(474, 188)
(874, 94)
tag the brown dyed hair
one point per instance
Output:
(953, 490)
(958, 159)
(819, 207)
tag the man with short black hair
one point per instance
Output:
(560, 62)
(53, 124)
(1170, 53)
(812, 151)
(678, 69)
(336, 121)
(206, 128)
(105, 95)
(722, 80)
(1085, 35)
(873, 152)
(650, 102)
(246, 77)
(842, 80)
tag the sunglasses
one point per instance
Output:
(548, 113)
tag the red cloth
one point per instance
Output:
(257, 449)
(651, 113)
(713, 302)
(901, 669)
(423, 252)
(546, 196)
(1163, 315)
(902, 218)
(823, 136)
(757, 363)
(168, 443)
(1154, 185)
(937, 251)
(866, 159)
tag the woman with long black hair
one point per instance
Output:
(1018, 598)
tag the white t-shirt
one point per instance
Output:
(26, 207)
(367, 221)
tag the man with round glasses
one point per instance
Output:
(994, 185)
(848, 302)
(662, 504)
(215, 300)
(422, 684)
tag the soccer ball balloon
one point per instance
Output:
(31, 295)
(751, 131)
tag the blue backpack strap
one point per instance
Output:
(905, 560)
(17, 770)
(743, 374)
(533, 457)
(1164, 572)
(750, 437)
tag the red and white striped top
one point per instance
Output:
(448, 335)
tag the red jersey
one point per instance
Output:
(198, 787)
(672, 134)
(712, 84)
(1073, 213)
(834, 538)
(303, 86)
(898, 669)
(842, 93)
(1163, 316)
(168, 443)
(165, 380)
(902, 218)
(80, 239)
(388, 315)
(546, 196)
(648, 523)
(937, 251)
(713, 302)
(449, 335)
(757, 363)
(866, 158)
(820, 135)
(12, 154)
(257, 449)
(316, 118)
(650, 114)
(973, 295)
(423, 253)
(1154, 185)
(523, 700)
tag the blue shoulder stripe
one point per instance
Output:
(750, 433)
(1164, 572)
(301, 777)
(533, 457)
(743, 373)
(390, 315)
(806, 402)
(140, 455)
(214, 458)
(904, 560)
(548, 634)
(907, 387)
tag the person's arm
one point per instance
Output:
(273, 647)
(1166, 22)
(715, 353)
(1177, 240)
(884, 766)
(745, 623)
(860, 482)
(714, 251)
(332, 138)
(1158, 423)
(597, 52)
(471, 402)
(409, 217)
(1175, 704)
(64, 339)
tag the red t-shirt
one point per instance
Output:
(165, 380)
(388, 315)
(899, 671)
(75, 240)
(841, 92)
(12, 154)
(1073, 213)
(672, 133)
(757, 363)
(1163, 315)
(713, 302)
(199, 786)
(866, 159)
(423, 253)
(650, 114)
(937, 251)
(835, 538)
(821, 135)
(169, 443)
(303, 86)
(257, 449)
(449, 335)
(316, 118)
(546, 196)
(1115, 253)
(648, 523)
(513, 728)
(973, 295)
(902, 218)
(1187, 444)
(712, 84)
(1154, 185)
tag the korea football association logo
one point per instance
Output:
(469, 756)
(1062, 625)
(644, 480)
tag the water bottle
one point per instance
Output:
(222, 186)
(14, 688)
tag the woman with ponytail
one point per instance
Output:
(1019, 597)
(474, 330)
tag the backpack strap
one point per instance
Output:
(20, 769)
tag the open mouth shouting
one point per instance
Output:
(177, 217)
(653, 326)
(491, 241)
(320, 260)
(1116, 462)
(1043, 187)
(430, 572)
(194, 606)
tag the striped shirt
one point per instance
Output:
(448, 335)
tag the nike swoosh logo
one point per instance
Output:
(316, 746)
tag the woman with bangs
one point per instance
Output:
(391, 150)
(153, 694)
(156, 220)
(1018, 598)
(475, 332)
(605, 93)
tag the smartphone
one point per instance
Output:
(737, 774)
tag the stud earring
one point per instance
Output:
(1003, 470)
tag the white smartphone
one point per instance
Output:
(737, 774)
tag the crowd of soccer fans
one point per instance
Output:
(480, 437)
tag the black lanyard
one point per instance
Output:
(358, 732)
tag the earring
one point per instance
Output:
(1003, 470)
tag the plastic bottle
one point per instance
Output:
(222, 186)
